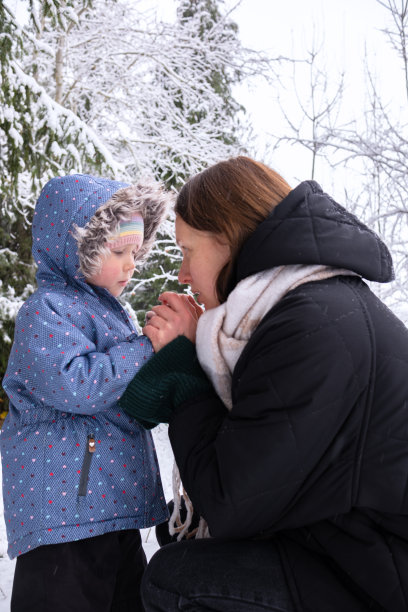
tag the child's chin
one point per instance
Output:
(117, 293)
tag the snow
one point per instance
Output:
(150, 545)
(6, 565)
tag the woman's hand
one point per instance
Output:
(176, 316)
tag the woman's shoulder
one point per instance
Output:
(319, 321)
(337, 302)
(314, 341)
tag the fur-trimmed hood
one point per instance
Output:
(67, 204)
(149, 199)
(65, 201)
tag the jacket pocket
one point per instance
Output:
(86, 465)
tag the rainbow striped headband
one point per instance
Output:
(130, 232)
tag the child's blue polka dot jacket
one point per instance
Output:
(74, 464)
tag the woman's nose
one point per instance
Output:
(184, 275)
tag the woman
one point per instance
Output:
(297, 454)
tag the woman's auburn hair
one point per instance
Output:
(230, 199)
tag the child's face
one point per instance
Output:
(117, 269)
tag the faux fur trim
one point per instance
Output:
(149, 199)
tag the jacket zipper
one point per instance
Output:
(86, 465)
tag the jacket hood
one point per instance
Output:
(63, 202)
(309, 227)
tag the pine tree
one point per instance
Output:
(39, 138)
(214, 35)
(215, 54)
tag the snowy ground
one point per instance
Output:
(148, 536)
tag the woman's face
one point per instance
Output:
(204, 255)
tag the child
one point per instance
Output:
(80, 477)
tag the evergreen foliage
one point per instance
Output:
(202, 21)
(39, 138)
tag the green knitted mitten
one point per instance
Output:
(171, 377)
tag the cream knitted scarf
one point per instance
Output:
(223, 332)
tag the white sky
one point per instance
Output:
(348, 30)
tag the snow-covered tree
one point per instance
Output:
(209, 31)
(158, 92)
(39, 138)
(212, 32)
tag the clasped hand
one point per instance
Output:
(177, 315)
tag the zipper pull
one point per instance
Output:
(91, 444)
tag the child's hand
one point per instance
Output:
(176, 316)
(148, 316)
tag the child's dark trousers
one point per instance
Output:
(100, 574)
